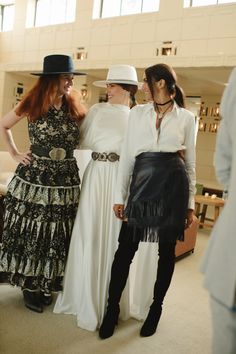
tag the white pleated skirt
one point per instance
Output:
(93, 245)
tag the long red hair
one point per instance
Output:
(38, 100)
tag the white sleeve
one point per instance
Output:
(223, 155)
(190, 158)
(86, 126)
(223, 152)
(126, 163)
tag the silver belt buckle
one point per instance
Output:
(102, 156)
(57, 154)
(112, 157)
(94, 155)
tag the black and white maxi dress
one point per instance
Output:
(40, 206)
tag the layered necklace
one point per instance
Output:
(161, 114)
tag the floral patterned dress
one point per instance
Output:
(40, 207)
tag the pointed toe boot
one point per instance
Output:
(109, 322)
(46, 299)
(150, 324)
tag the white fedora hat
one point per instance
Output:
(119, 74)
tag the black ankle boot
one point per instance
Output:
(46, 299)
(109, 322)
(32, 301)
(150, 324)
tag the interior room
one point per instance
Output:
(197, 38)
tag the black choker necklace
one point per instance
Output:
(163, 104)
(161, 114)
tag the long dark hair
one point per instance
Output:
(132, 89)
(163, 71)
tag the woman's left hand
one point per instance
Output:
(119, 211)
(181, 154)
(189, 218)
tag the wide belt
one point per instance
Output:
(103, 156)
(55, 153)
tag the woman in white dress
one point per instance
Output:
(96, 229)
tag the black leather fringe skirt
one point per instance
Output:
(158, 199)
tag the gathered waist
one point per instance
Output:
(54, 153)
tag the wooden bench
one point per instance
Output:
(190, 236)
(201, 204)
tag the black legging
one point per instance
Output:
(123, 259)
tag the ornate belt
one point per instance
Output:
(53, 154)
(103, 156)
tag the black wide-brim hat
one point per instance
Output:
(56, 64)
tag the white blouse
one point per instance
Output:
(177, 132)
(103, 128)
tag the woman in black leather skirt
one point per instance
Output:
(158, 158)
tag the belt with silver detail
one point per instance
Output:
(103, 156)
(55, 153)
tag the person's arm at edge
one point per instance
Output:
(125, 168)
(223, 147)
(223, 155)
(190, 162)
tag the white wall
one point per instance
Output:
(9, 100)
(204, 36)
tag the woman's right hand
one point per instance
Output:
(119, 211)
(23, 158)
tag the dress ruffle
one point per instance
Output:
(37, 230)
(40, 195)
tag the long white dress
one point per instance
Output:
(96, 229)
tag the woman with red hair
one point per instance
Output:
(42, 197)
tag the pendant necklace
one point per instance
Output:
(161, 114)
